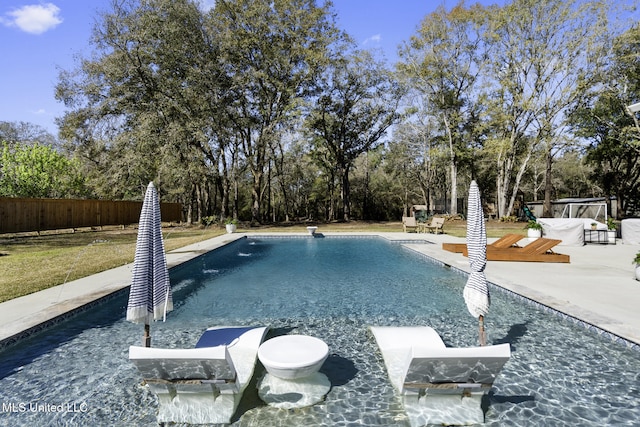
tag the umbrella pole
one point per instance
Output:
(483, 338)
(146, 339)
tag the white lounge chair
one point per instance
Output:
(202, 385)
(438, 384)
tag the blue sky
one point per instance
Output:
(39, 38)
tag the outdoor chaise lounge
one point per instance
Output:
(537, 251)
(506, 241)
(202, 385)
(505, 249)
(438, 384)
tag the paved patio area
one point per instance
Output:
(597, 287)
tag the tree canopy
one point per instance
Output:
(358, 101)
(267, 111)
(38, 171)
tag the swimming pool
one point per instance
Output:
(77, 372)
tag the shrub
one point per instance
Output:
(533, 225)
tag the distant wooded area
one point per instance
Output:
(267, 111)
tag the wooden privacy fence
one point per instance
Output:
(22, 215)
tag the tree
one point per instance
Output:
(170, 84)
(146, 100)
(615, 161)
(25, 133)
(36, 170)
(571, 177)
(443, 62)
(358, 101)
(418, 161)
(624, 80)
(543, 56)
(375, 188)
(604, 120)
(272, 52)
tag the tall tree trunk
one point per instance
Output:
(516, 183)
(256, 189)
(504, 167)
(224, 186)
(548, 185)
(453, 168)
(190, 206)
(257, 155)
(331, 215)
(506, 191)
(454, 189)
(365, 201)
(345, 193)
(199, 202)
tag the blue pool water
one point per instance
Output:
(77, 372)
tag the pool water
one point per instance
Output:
(77, 372)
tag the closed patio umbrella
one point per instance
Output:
(476, 291)
(150, 293)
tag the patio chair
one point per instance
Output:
(201, 385)
(438, 384)
(409, 222)
(506, 241)
(435, 226)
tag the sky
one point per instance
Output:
(39, 38)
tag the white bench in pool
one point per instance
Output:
(438, 384)
(201, 385)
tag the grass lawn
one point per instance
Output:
(30, 263)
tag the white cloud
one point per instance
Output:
(34, 18)
(373, 39)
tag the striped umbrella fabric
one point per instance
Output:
(476, 291)
(150, 294)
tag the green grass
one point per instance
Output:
(31, 263)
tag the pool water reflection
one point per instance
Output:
(331, 288)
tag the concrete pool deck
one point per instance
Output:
(597, 287)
